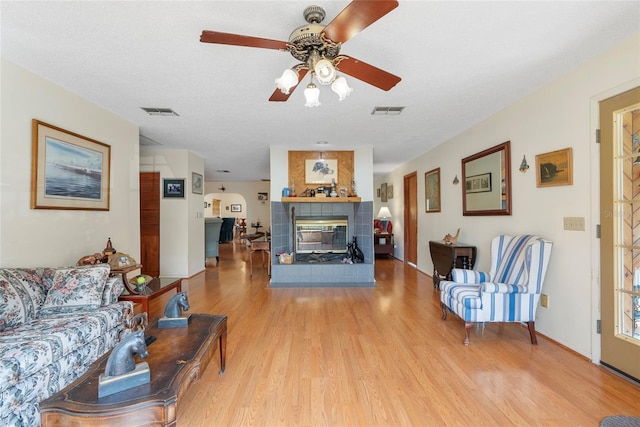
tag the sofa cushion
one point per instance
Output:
(112, 290)
(75, 289)
(33, 346)
(14, 312)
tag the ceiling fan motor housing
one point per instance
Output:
(307, 38)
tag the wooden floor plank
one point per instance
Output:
(379, 357)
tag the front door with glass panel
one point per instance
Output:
(620, 227)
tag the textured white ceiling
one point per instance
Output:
(460, 62)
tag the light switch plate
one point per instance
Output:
(574, 223)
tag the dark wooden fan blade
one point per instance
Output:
(278, 96)
(368, 73)
(238, 40)
(357, 16)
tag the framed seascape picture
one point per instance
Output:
(554, 168)
(196, 183)
(68, 170)
(432, 190)
(236, 208)
(173, 188)
(320, 171)
(478, 183)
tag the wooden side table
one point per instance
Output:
(447, 257)
(153, 289)
(383, 244)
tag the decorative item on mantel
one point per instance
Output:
(121, 372)
(451, 240)
(173, 317)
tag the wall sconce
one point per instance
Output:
(524, 165)
(456, 181)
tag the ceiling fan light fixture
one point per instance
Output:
(340, 87)
(312, 95)
(325, 71)
(288, 80)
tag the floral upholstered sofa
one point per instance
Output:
(54, 323)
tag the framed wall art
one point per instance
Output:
(68, 170)
(389, 191)
(554, 168)
(383, 192)
(196, 183)
(320, 171)
(236, 208)
(432, 190)
(173, 188)
(263, 197)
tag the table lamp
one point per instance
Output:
(384, 216)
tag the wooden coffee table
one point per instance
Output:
(153, 289)
(176, 360)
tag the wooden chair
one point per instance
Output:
(263, 246)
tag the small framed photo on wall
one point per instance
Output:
(173, 188)
(554, 168)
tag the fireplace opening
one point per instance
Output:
(321, 235)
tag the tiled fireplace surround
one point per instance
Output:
(360, 217)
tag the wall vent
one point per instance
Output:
(386, 111)
(152, 111)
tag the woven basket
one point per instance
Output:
(285, 259)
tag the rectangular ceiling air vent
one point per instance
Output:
(159, 111)
(386, 111)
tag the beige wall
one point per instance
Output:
(41, 237)
(181, 220)
(557, 116)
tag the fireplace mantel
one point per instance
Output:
(321, 200)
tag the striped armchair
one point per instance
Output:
(508, 293)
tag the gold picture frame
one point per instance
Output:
(554, 168)
(432, 190)
(68, 170)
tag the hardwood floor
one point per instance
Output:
(379, 357)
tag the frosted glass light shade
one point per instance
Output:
(341, 87)
(288, 80)
(312, 95)
(325, 71)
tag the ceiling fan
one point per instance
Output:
(318, 48)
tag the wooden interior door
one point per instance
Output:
(150, 223)
(411, 218)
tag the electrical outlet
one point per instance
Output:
(544, 300)
(574, 223)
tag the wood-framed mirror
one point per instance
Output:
(486, 182)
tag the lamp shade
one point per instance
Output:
(325, 71)
(341, 87)
(288, 80)
(384, 212)
(312, 95)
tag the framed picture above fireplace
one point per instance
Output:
(320, 171)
